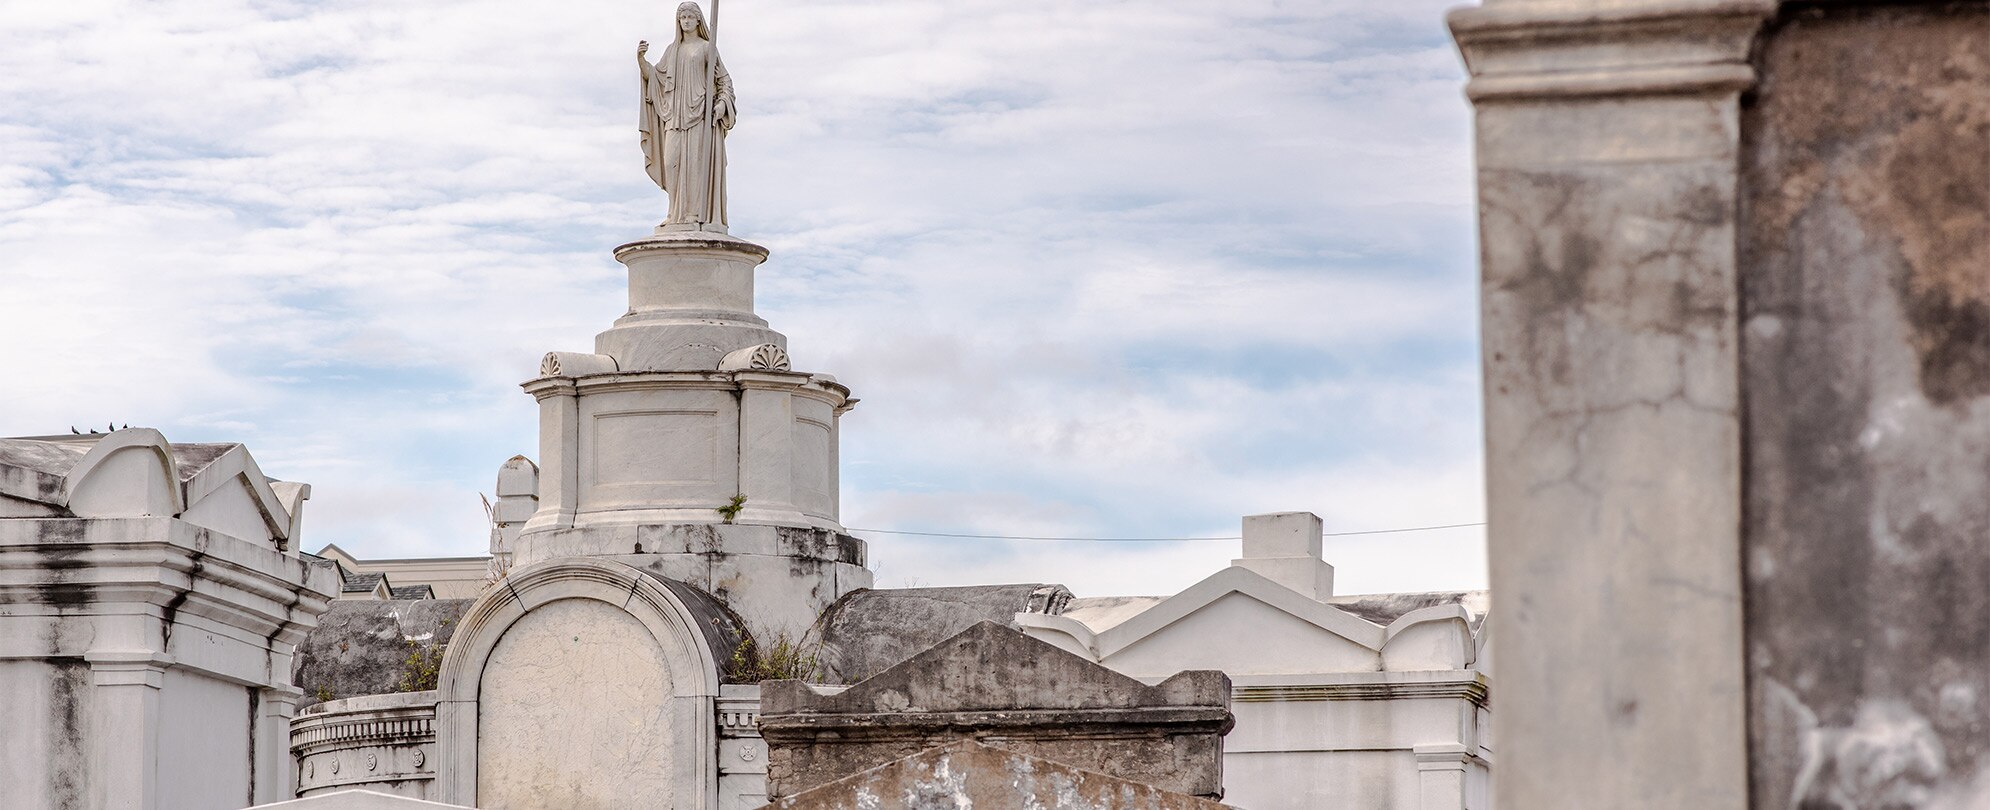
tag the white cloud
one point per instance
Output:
(1102, 268)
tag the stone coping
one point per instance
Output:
(690, 240)
(1033, 724)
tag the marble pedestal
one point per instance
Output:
(689, 445)
(690, 303)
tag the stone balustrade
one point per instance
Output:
(384, 743)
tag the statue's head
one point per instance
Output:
(691, 20)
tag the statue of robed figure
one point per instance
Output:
(687, 110)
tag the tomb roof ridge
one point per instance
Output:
(1016, 670)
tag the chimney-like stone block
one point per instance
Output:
(1282, 534)
(1285, 547)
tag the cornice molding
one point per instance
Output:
(1580, 49)
(1472, 687)
(1034, 724)
(800, 383)
(107, 566)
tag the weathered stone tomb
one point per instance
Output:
(998, 686)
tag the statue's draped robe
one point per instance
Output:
(687, 108)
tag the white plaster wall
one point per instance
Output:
(1335, 753)
(204, 758)
(811, 466)
(574, 714)
(658, 449)
(1278, 642)
(1300, 780)
(44, 714)
(129, 482)
(1324, 725)
(815, 462)
(230, 510)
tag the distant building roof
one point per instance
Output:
(362, 583)
(412, 591)
(1103, 612)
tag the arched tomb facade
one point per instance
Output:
(583, 683)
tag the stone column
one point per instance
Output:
(1443, 778)
(124, 706)
(1607, 137)
(559, 451)
(766, 449)
(1737, 353)
(275, 770)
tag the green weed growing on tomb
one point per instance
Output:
(730, 511)
(322, 693)
(422, 669)
(783, 659)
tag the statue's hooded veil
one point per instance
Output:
(703, 32)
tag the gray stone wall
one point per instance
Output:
(1865, 278)
(966, 775)
(998, 686)
(367, 647)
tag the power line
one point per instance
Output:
(1142, 539)
(1410, 529)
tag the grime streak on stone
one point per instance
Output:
(1866, 236)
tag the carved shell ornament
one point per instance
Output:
(769, 357)
(764, 357)
(550, 366)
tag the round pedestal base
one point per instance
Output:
(690, 303)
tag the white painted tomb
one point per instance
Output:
(150, 599)
(1342, 703)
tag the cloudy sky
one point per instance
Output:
(1112, 268)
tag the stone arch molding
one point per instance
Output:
(686, 657)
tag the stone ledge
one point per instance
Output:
(1470, 686)
(690, 241)
(1039, 723)
(1574, 50)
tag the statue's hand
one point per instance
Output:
(642, 47)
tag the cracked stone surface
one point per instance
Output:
(1612, 433)
(574, 714)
